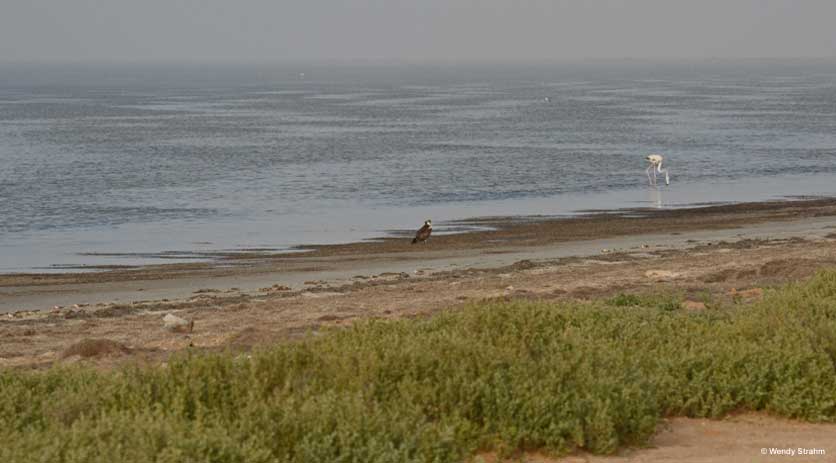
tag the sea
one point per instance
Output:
(103, 166)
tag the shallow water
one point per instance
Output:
(115, 166)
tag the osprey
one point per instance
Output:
(424, 232)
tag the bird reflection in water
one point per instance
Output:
(655, 197)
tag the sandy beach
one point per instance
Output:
(245, 300)
(727, 252)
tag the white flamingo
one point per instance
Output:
(655, 161)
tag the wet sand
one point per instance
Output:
(506, 240)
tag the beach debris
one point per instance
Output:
(276, 287)
(207, 290)
(524, 264)
(176, 324)
(394, 275)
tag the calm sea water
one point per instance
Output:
(107, 165)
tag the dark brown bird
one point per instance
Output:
(424, 232)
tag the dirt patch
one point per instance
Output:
(693, 305)
(746, 295)
(721, 276)
(737, 439)
(88, 348)
(249, 337)
(788, 268)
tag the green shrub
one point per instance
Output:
(504, 376)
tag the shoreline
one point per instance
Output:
(501, 241)
(272, 232)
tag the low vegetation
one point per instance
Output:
(494, 376)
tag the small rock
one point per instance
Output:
(177, 325)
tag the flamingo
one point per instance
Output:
(655, 161)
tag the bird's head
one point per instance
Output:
(429, 223)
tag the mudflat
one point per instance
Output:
(503, 241)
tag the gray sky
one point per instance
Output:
(412, 30)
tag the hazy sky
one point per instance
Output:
(412, 30)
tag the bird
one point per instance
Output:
(547, 99)
(424, 232)
(655, 161)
